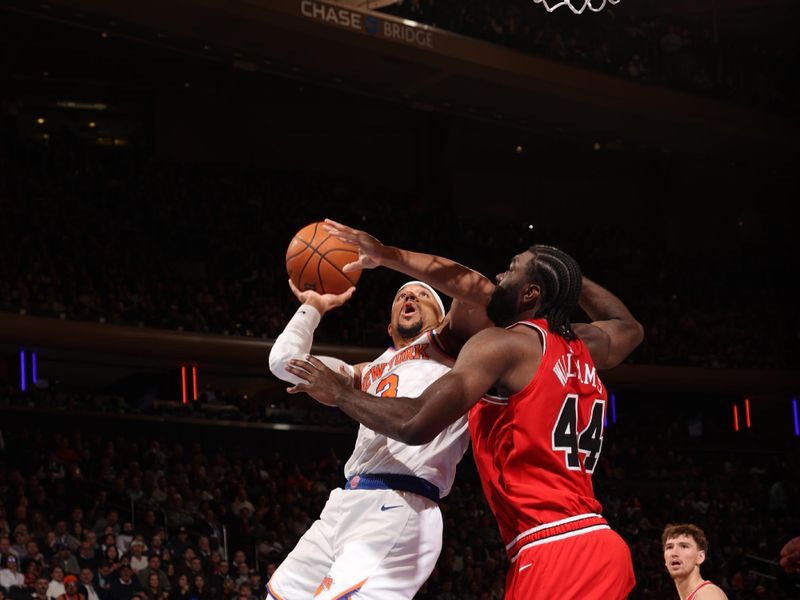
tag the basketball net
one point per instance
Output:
(576, 6)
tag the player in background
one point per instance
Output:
(379, 538)
(536, 407)
(685, 548)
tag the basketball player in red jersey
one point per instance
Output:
(536, 408)
(685, 548)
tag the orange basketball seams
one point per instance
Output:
(314, 261)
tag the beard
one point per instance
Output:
(502, 307)
(410, 331)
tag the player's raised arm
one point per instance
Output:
(298, 335)
(613, 333)
(447, 276)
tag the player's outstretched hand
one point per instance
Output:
(322, 302)
(370, 251)
(320, 382)
(790, 556)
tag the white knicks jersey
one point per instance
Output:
(406, 373)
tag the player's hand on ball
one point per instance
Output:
(322, 302)
(320, 382)
(370, 251)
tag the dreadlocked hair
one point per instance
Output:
(559, 277)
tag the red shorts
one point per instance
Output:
(592, 566)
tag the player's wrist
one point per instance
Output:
(388, 256)
(317, 304)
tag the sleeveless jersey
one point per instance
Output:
(536, 450)
(406, 372)
(697, 589)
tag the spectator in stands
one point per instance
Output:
(154, 588)
(40, 589)
(199, 587)
(154, 568)
(10, 576)
(65, 560)
(204, 550)
(112, 558)
(138, 560)
(105, 577)
(125, 537)
(149, 526)
(124, 586)
(87, 557)
(55, 589)
(181, 543)
(20, 540)
(88, 587)
(182, 590)
(5, 549)
(71, 590)
(63, 537)
(246, 592)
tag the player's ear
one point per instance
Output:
(389, 329)
(531, 292)
(701, 557)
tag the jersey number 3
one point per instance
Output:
(566, 436)
(387, 388)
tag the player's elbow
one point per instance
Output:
(622, 345)
(413, 433)
(637, 334)
(277, 363)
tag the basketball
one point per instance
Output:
(314, 261)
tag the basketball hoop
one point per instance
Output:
(576, 6)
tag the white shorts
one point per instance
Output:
(367, 544)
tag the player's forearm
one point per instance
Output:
(447, 276)
(388, 416)
(602, 305)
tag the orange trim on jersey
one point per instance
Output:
(272, 592)
(346, 593)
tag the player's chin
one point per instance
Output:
(408, 327)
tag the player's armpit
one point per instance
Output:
(597, 341)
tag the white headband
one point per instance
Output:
(430, 289)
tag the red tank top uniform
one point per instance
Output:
(697, 589)
(535, 452)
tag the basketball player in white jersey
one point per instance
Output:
(379, 538)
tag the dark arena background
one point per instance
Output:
(157, 157)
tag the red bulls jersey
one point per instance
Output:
(536, 450)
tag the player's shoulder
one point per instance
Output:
(499, 341)
(710, 592)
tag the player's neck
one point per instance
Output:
(525, 315)
(401, 342)
(686, 585)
